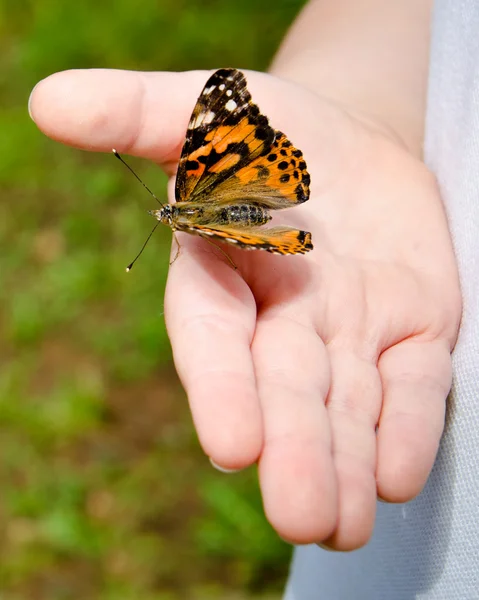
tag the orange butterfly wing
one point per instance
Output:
(226, 132)
(233, 156)
(277, 240)
(278, 179)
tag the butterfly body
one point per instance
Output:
(234, 169)
(184, 215)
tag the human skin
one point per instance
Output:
(329, 370)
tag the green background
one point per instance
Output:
(104, 491)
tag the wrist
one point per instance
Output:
(368, 56)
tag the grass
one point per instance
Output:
(105, 491)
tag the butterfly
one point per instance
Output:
(235, 168)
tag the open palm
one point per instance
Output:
(330, 370)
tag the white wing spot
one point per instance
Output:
(204, 118)
(230, 105)
(228, 92)
(221, 87)
(207, 91)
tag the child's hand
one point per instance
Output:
(294, 361)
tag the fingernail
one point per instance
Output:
(222, 469)
(29, 104)
(382, 500)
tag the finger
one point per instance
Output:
(99, 109)
(146, 114)
(354, 404)
(416, 378)
(296, 469)
(210, 316)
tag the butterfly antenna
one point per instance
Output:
(142, 182)
(129, 267)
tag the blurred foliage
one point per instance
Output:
(105, 491)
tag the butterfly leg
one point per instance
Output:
(230, 260)
(178, 248)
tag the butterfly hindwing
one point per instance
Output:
(278, 179)
(277, 240)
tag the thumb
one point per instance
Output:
(144, 114)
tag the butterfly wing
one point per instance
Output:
(232, 155)
(226, 132)
(277, 240)
(278, 179)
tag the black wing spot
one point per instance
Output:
(261, 133)
(284, 178)
(296, 174)
(272, 157)
(283, 165)
(306, 178)
(219, 75)
(298, 153)
(304, 238)
(263, 172)
(283, 152)
(192, 165)
(302, 165)
(293, 162)
(301, 194)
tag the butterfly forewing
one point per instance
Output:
(225, 133)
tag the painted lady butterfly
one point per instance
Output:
(235, 168)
